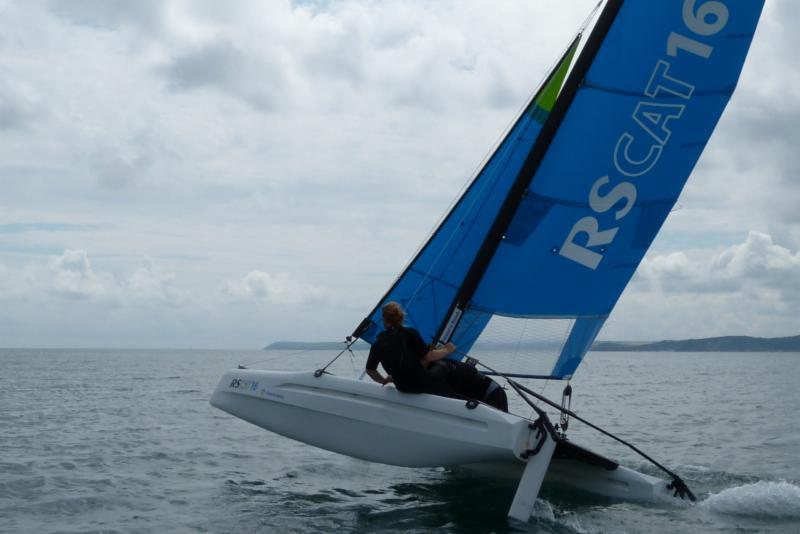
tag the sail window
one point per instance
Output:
(527, 346)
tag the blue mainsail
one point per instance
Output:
(570, 206)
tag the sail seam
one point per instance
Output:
(576, 204)
(428, 277)
(724, 91)
(540, 316)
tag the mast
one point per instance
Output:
(531, 165)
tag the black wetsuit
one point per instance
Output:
(400, 351)
(468, 382)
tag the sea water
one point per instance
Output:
(121, 441)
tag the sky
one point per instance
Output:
(200, 174)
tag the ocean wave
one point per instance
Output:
(563, 520)
(764, 499)
(542, 509)
(695, 468)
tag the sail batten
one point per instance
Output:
(721, 91)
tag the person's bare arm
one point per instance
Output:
(437, 354)
(379, 378)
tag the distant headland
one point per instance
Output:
(709, 344)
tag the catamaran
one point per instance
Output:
(537, 249)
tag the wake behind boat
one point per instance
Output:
(537, 250)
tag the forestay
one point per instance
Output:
(551, 230)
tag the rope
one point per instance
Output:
(677, 485)
(280, 357)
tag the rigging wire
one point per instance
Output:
(678, 485)
(591, 15)
(350, 340)
(281, 357)
(566, 331)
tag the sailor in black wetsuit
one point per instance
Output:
(416, 368)
(405, 356)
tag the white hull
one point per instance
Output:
(380, 424)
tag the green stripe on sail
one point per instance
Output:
(541, 107)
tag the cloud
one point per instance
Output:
(282, 56)
(128, 162)
(150, 283)
(19, 104)
(758, 257)
(71, 276)
(74, 278)
(216, 63)
(23, 227)
(15, 284)
(278, 288)
(758, 264)
(746, 288)
(258, 81)
(110, 14)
